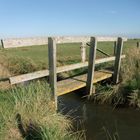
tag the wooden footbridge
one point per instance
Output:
(77, 82)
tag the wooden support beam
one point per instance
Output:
(91, 65)
(44, 73)
(28, 76)
(52, 67)
(83, 52)
(118, 60)
(101, 51)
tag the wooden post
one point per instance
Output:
(115, 47)
(117, 60)
(138, 44)
(83, 51)
(1, 44)
(52, 67)
(91, 65)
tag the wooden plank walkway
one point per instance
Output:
(74, 83)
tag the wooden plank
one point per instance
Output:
(71, 84)
(43, 73)
(52, 67)
(101, 51)
(118, 60)
(82, 65)
(91, 65)
(28, 76)
(107, 59)
(83, 52)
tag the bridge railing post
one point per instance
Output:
(83, 52)
(52, 67)
(117, 64)
(138, 44)
(91, 65)
(1, 44)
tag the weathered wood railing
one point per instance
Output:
(44, 73)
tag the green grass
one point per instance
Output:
(39, 119)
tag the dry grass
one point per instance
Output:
(127, 92)
(4, 72)
(131, 65)
(130, 86)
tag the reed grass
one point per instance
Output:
(130, 74)
(29, 113)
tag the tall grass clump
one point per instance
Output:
(29, 113)
(127, 92)
(130, 74)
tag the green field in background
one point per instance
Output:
(66, 54)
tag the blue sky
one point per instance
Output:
(21, 18)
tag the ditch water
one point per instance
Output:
(101, 122)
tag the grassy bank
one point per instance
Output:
(29, 112)
(127, 92)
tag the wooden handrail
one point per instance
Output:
(44, 73)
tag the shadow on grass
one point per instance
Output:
(32, 131)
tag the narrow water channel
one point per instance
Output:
(101, 122)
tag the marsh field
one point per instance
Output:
(28, 112)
